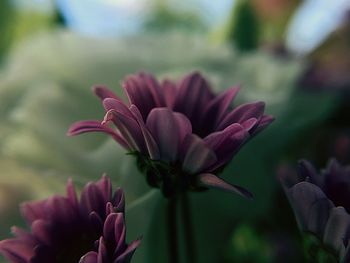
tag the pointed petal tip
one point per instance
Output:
(212, 181)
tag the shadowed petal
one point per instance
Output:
(154, 87)
(103, 92)
(16, 250)
(95, 126)
(151, 144)
(113, 104)
(71, 194)
(40, 229)
(128, 253)
(212, 181)
(128, 127)
(119, 200)
(243, 113)
(102, 254)
(265, 121)
(217, 108)
(249, 124)
(165, 129)
(90, 257)
(226, 150)
(92, 199)
(216, 139)
(32, 211)
(337, 227)
(308, 172)
(313, 212)
(197, 155)
(144, 92)
(192, 97)
(169, 92)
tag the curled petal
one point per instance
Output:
(128, 127)
(117, 105)
(212, 181)
(226, 150)
(243, 113)
(103, 92)
(95, 126)
(216, 139)
(265, 121)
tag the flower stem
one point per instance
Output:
(190, 239)
(172, 230)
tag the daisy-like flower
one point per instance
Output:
(70, 230)
(321, 204)
(182, 134)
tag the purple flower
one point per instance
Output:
(182, 134)
(321, 203)
(65, 229)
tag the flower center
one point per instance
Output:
(170, 178)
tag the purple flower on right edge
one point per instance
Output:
(321, 204)
(182, 134)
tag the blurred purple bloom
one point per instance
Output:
(65, 229)
(183, 134)
(321, 203)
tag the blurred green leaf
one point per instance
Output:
(38, 103)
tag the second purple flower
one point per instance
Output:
(181, 133)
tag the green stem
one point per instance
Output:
(188, 227)
(172, 230)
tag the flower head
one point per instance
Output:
(321, 203)
(67, 229)
(182, 134)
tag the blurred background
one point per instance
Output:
(292, 54)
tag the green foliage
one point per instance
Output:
(38, 103)
(315, 251)
(248, 246)
(6, 23)
(244, 27)
(163, 18)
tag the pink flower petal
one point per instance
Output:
(151, 144)
(165, 129)
(113, 104)
(95, 126)
(197, 156)
(243, 113)
(144, 92)
(192, 97)
(212, 181)
(128, 253)
(169, 91)
(218, 106)
(90, 257)
(103, 92)
(128, 127)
